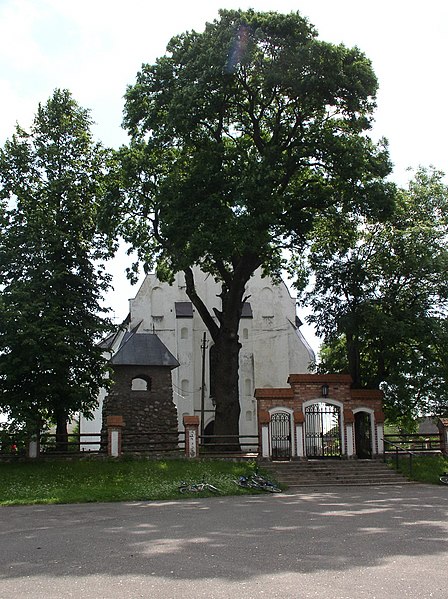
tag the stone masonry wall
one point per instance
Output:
(148, 415)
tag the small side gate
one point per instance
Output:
(281, 436)
(323, 431)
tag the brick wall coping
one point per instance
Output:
(114, 421)
(320, 378)
(191, 420)
(269, 393)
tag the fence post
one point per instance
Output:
(263, 421)
(114, 435)
(191, 424)
(442, 425)
(299, 419)
(34, 446)
(349, 422)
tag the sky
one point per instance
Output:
(95, 48)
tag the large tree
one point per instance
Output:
(240, 136)
(51, 180)
(380, 298)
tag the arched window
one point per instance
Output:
(141, 383)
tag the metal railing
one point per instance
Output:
(77, 444)
(415, 441)
(151, 443)
(410, 445)
(397, 452)
(229, 444)
(154, 443)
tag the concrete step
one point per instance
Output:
(333, 473)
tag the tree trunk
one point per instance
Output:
(354, 360)
(227, 345)
(227, 411)
(61, 432)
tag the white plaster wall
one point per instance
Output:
(272, 350)
(93, 425)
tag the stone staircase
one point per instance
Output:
(332, 473)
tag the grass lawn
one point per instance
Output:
(81, 481)
(425, 469)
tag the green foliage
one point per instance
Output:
(425, 469)
(251, 128)
(112, 480)
(241, 137)
(380, 299)
(51, 180)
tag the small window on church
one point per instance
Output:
(141, 384)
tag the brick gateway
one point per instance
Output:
(320, 416)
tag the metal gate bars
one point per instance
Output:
(281, 436)
(323, 431)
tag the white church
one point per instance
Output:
(272, 344)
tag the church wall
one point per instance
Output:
(271, 345)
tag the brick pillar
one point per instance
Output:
(33, 449)
(349, 420)
(379, 433)
(191, 424)
(299, 419)
(442, 425)
(114, 435)
(263, 421)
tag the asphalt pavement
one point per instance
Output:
(351, 542)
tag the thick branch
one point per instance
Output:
(199, 304)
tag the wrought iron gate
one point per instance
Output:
(323, 431)
(281, 436)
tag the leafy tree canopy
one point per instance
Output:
(51, 180)
(240, 137)
(380, 298)
(253, 126)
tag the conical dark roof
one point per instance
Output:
(143, 349)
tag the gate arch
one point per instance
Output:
(323, 429)
(364, 433)
(281, 434)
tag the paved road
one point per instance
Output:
(365, 542)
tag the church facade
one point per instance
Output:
(272, 344)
